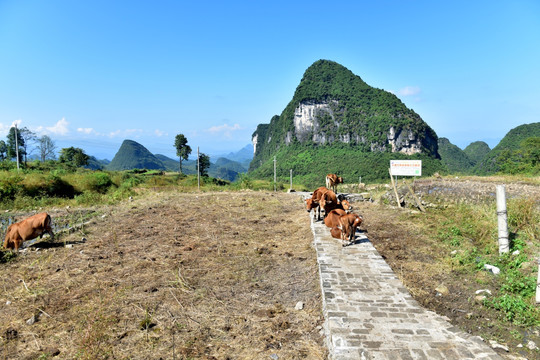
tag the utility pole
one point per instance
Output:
(198, 171)
(291, 180)
(274, 174)
(17, 147)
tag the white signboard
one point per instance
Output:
(406, 167)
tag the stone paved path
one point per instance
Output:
(370, 314)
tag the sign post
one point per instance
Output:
(406, 168)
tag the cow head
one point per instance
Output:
(346, 205)
(311, 204)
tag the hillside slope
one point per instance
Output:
(133, 155)
(511, 142)
(453, 157)
(333, 109)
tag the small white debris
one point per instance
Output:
(495, 270)
(69, 246)
(454, 252)
(103, 216)
(487, 291)
(531, 345)
(32, 320)
(83, 239)
(496, 345)
(274, 357)
(299, 306)
(515, 253)
(8, 302)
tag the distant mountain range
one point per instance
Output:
(479, 159)
(133, 155)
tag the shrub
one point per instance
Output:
(98, 182)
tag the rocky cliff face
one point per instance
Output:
(332, 105)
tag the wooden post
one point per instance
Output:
(418, 203)
(394, 186)
(504, 245)
(198, 171)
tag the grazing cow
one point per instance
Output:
(28, 229)
(313, 203)
(332, 180)
(348, 224)
(333, 217)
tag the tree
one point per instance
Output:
(3, 150)
(204, 164)
(46, 148)
(73, 156)
(12, 144)
(182, 148)
(27, 136)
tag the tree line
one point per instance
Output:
(19, 141)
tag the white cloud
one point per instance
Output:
(226, 130)
(160, 133)
(60, 128)
(86, 131)
(126, 132)
(409, 91)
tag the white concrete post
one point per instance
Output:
(502, 217)
(291, 179)
(538, 284)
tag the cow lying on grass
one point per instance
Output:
(27, 229)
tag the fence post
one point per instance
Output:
(538, 284)
(198, 171)
(502, 217)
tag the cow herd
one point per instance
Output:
(338, 214)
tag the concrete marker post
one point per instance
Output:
(502, 220)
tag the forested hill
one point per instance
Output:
(133, 155)
(517, 152)
(333, 111)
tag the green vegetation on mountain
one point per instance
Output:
(133, 155)
(310, 165)
(453, 157)
(356, 122)
(477, 151)
(515, 153)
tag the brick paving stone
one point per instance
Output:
(370, 315)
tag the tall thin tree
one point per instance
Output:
(182, 148)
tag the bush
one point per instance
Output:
(98, 182)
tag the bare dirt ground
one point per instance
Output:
(217, 276)
(170, 276)
(407, 246)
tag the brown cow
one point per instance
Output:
(28, 229)
(313, 203)
(333, 218)
(348, 224)
(328, 201)
(332, 180)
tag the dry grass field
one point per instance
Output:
(169, 276)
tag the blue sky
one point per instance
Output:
(92, 73)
